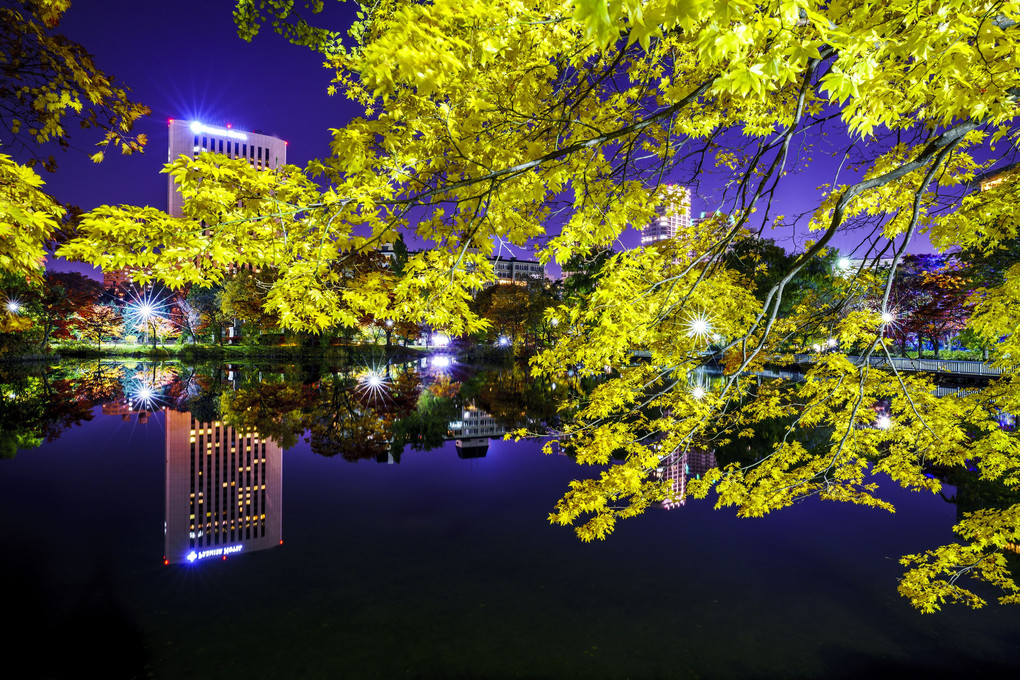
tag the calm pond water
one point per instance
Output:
(363, 559)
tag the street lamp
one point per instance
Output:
(13, 307)
(148, 314)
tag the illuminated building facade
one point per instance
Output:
(674, 214)
(191, 138)
(519, 272)
(224, 490)
(473, 431)
(690, 464)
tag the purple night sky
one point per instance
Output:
(185, 60)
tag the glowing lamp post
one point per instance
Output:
(13, 307)
(148, 314)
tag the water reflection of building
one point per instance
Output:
(690, 464)
(125, 409)
(224, 490)
(473, 430)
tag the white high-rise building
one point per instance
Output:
(673, 215)
(190, 138)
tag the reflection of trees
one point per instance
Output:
(343, 424)
(425, 428)
(275, 410)
(38, 405)
(513, 397)
(362, 424)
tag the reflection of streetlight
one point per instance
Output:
(373, 384)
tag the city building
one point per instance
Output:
(518, 272)
(692, 463)
(224, 490)
(673, 215)
(191, 138)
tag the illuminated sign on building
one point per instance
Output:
(202, 128)
(194, 555)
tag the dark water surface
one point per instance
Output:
(446, 567)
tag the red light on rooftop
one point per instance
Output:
(169, 120)
(229, 126)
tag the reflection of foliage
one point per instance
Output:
(342, 423)
(427, 427)
(37, 406)
(274, 410)
(515, 399)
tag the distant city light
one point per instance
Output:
(202, 128)
(831, 342)
(503, 341)
(440, 340)
(441, 362)
(698, 392)
(816, 347)
(844, 263)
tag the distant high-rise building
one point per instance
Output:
(692, 463)
(674, 214)
(224, 490)
(191, 138)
